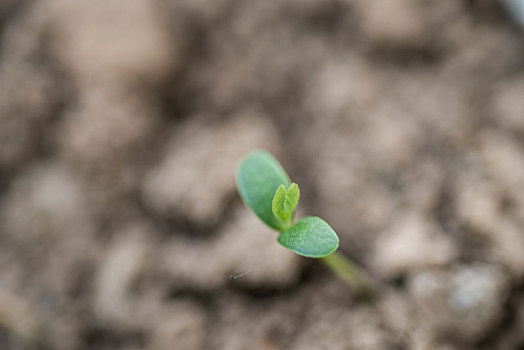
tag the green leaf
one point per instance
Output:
(311, 237)
(258, 177)
(285, 202)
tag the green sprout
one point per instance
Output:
(266, 189)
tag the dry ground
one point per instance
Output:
(121, 123)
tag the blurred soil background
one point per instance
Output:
(121, 124)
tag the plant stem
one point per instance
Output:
(357, 279)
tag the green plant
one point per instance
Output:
(266, 189)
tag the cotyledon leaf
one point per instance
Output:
(285, 202)
(311, 237)
(258, 177)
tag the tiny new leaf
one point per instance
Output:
(258, 177)
(311, 237)
(285, 202)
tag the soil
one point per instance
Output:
(121, 124)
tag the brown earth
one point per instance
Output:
(121, 123)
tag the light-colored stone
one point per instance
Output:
(412, 243)
(182, 326)
(115, 42)
(104, 128)
(266, 324)
(20, 318)
(465, 301)
(424, 339)
(503, 159)
(245, 252)
(508, 105)
(393, 20)
(342, 85)
(358, 328)
(123, 262)
(44, 203)
(397, 312)
(47, 214)
(507, 245)
(195, 179)
(477, 203)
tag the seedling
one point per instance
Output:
(266, 189)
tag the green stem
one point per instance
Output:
(349, 273)
(286, 225)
